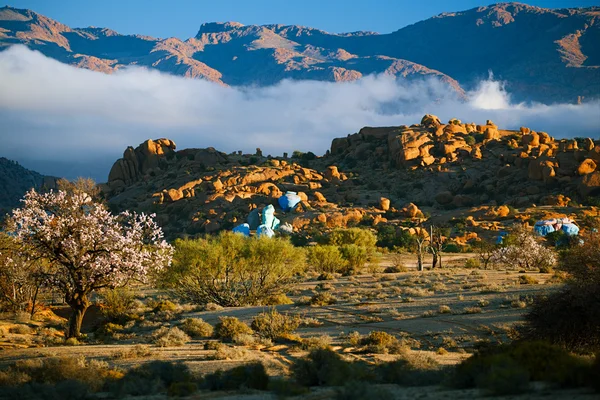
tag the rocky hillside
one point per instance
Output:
(377, 176)
(15, 181)
(545, 54)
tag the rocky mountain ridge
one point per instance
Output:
(544, 54)
(376, 176)
(15, 181)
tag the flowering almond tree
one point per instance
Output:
(87, 247)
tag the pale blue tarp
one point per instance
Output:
(570, 229)
(288, 201)
(268, 216)
(254, 219)
(264, 230)
(276, 223)
(244, 229)
(543, 230)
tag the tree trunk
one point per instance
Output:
(440, 257)
(79, 303)
(420, 258)
(434, 260)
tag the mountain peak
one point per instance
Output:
(218, 27)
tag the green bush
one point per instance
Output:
(322, 299)
(326, 259)
(249, 376)
(380, 342)
(168, 337)
(322, 367)
(356, 257)
(229, 327)
(197, 328)
(233, 270)
(118, 304)
(353, 236)
(272, 325)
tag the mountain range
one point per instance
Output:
(543, 55)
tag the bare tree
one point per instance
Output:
(421, 240)
(485, 252)
(437, 239)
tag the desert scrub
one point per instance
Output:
(118, 304)
(380, 342)
(92, 374)
(411, 370)
(228, 327)
(472, 310)
(249, 376)
(416, 292)
(316, 342)
(137, 351)
(197, 328)
(444, 309)
(21, 329)
(154, 377)
(322, 367)
(168, 337)
(273, 325)
(322, 299)
(233, 270)
(527, 280)
(326, 259)
(225, 352)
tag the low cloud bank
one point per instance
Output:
(72, 122)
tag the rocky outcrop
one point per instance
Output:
(139, 161)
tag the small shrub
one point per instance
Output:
(356, 257)
(225, 352)
(527, 280)
(504, 377)
(483, 303)
(445, 309)
(472, 310)
(326, 259)
(167, 337)
(151, 378)
(322, 299)
(162, 306)
(197, 328)
(278, 299)
(380, 342)
(118, 304)
(228, 327)
(322, 367)
(394, 269)
(137, 351)
(316, 342)
(411, 370)
(472, 263)
(182, 389)
(249, 376)
(272, 324)
(21, 330)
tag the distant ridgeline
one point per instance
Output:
(15, 181)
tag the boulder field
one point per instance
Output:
(382, 175)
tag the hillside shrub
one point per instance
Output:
(322, 367)
(353, 236)
(167, 337)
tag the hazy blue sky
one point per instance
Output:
(181, 18)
